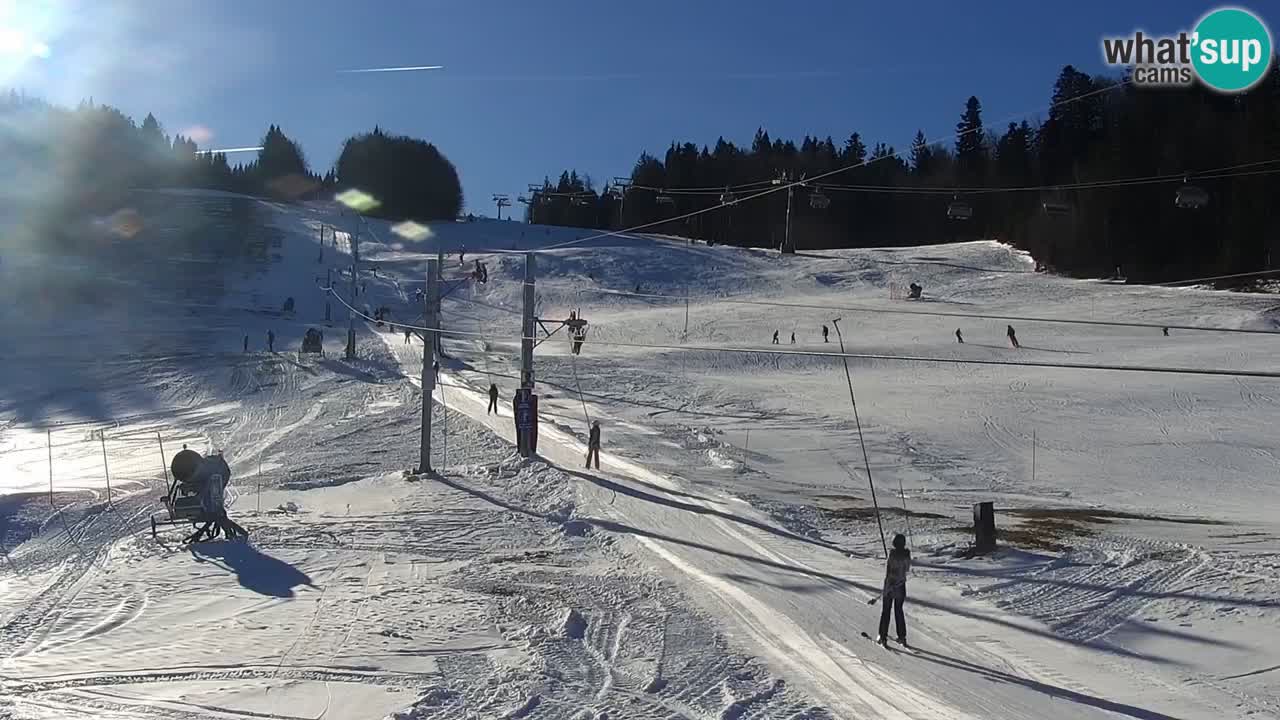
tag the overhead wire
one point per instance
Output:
(941, 313)
(787, 185)
(886, 357)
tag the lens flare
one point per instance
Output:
(410, 230)
(357, 200)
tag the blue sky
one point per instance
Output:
(533, 88)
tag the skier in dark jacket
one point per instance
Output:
(824, 334)
(1013, 337)
(959, 337)
(895, 590)
(271, 341)
(246, 343)
(775, 337)
(593, 445)
(493, 399)
(407, 334)
(793, 338)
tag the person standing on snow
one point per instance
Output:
(793, 337)
(775, 337)
(959, 337)
(407, 335)
(1013, 337)
(493, 399)
(895, 590)
(246, 343)
(271, 341)
(824, 334)
(593, 445)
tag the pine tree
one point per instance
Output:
(971, 150)
(855, 151)
(921, 156)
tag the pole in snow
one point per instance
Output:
(865, 459)
(48, 437)
(432, 301)
(106, 471)
(351, 314)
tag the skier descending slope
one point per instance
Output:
(895, 590)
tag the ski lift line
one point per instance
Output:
(701, 191)
(1215, 174)
(797, 183)
(1196, 281)
(489, 305)
(1154, 369)
(939, 313)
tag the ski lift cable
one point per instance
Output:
(1154, 369)
(1195, 281)
(797, 183)
(1213, 174)
(939, 313)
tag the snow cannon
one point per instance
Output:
(184, 465)
(313, 342)
(182, 502)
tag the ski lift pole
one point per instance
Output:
(48, 437)
(858, 421)
(106, 470)
(686, 312)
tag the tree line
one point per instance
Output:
(1053, 186)
(72, 162)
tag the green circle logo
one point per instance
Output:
(1231, 50)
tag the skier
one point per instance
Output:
(895, 590)
(1166, 332)
(775, 337)
(407, 335)
(1013, 338)
(593, 445)
(246, 343)
(793, 337)
(959, 337)
(435, 367)
(493, 399)
(824, 334)
(462, 255)
(271, 341)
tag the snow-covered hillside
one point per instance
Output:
(721, 562)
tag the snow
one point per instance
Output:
(721, 561)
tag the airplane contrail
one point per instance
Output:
(229, 150)
(406, 68)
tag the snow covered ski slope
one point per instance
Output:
(720, 562)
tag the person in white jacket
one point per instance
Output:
(895, 590)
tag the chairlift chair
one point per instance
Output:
(959, 210)
(580, 201)
(819, 201)
(728, 198)
(664, 199)
(1056, 209)
(1191, 197)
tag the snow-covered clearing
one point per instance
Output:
(721, 561)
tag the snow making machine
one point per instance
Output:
(182, 502)
(313, 342)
